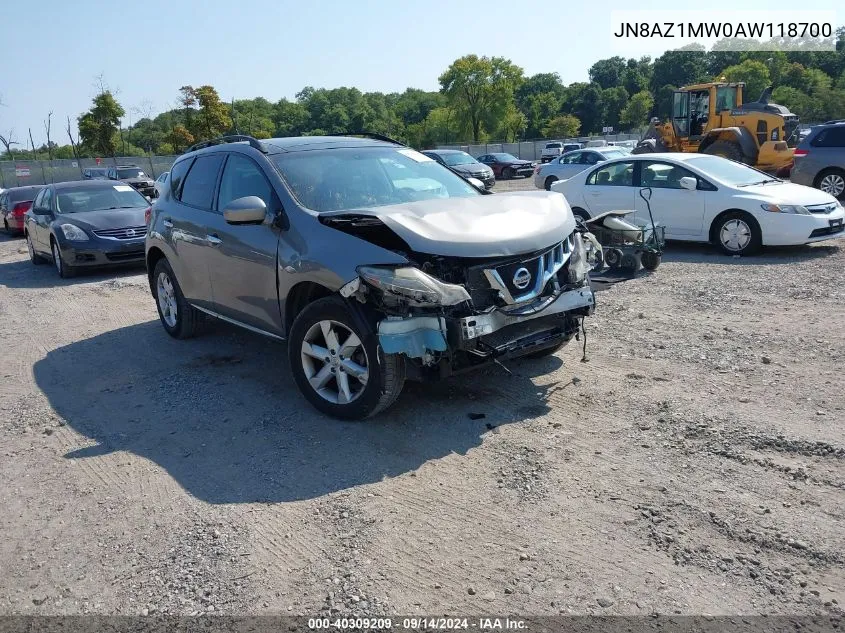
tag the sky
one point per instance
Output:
(146, 50)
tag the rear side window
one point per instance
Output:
(830, 137)
(177, 175)
(198, 188)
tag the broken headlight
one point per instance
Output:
(413, 285)
(585, 252)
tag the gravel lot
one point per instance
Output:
(695, 464)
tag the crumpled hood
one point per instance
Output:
(481, 226)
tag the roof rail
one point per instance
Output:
(835, 121)
(372, 135)
(231, 138)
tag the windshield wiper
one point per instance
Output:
(123, 207)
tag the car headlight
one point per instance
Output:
(786, 208)
(414, 285)
(74, 233)
(579, 263)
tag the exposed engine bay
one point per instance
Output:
(448, 314)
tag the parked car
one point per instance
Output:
(14, 203)
(555, 149)
(572, 163)
(599, 142)
(507, 166)
(161, 183)
(463, 163)
(95, 173)
(704, 198)
(86, 223)
(319, 241)
(819, 159)
(134, 176)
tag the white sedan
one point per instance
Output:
(571, 163)
(702, 198)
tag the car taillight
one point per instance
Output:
(20, 208)
(800, 152)
(147, 215)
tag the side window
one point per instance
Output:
(830, 137)
(242, 177)
(589, 158)
(36, 204)
(663, 175)
(198, 188)
(613, 175)
(571, 159)
(177, 175)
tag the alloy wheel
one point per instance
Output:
(735, 235)
(834, 184)
(57, 258)
(166, 296)
(335, 362)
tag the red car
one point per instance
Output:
(14, 203)
(506, 166)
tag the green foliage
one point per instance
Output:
(754, 74)
(480, 90)
(636, 112)
(608, 73)
(563, 127)
(99, 127)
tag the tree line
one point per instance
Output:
(480, 99)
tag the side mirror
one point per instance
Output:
(689, 183)
(475, 182)
(246, 210)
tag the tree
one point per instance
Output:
(480, 89)
(613, 101)
(180, 138)
(754, 74)
(608, 73)
(540, 84)
(212, 118)
(188, 101)
(291, 119)
(564, 126)
(98, 128)
(679, 68)
(540, 109)
(513, 124)
(636, 113)
(585, 102)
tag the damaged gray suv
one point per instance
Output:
(376, 263)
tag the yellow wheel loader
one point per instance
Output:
(711, 118)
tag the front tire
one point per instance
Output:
(338, 366)
(179, 318)
(549, 181)
(831, 181)
(737, 233)
(507, 173)
(65, 270)
(578, 212)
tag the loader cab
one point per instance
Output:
(694, 108)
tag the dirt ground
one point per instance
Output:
(695, 464)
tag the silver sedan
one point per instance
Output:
(573, 163)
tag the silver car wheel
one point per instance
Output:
(834, 184)
(166, 299)
(57, 258)
(735, 235)
(335, 362)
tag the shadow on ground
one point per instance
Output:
(24, 274)
(695, 253)
(221, 414)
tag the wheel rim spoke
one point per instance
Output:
(315, 351)
(319, 380)
(359, 372)
(344, 393)
(329, 364)
(349, 346)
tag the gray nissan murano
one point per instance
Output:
(375, 262)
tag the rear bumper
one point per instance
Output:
(101, 252)
(15, 224)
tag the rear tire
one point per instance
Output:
(179, 318)
(549, 181)
(385, 373)
(727, 149)
(34, 257)
(65, 270)
(737, 233)
(831, 181)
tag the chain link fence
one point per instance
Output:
(531, 150)
(20, 173)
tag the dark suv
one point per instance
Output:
(820, 159)
(135, 177)
(374, 261)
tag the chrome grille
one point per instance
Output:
(828, 207)
(126, 233)
(541, 269)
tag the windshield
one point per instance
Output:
(504, 158)
(458, 158)
(99, 199)
(130, 173)
(729, 172)
(358, 178)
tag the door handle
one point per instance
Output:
(213, 240)
(167, 223)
